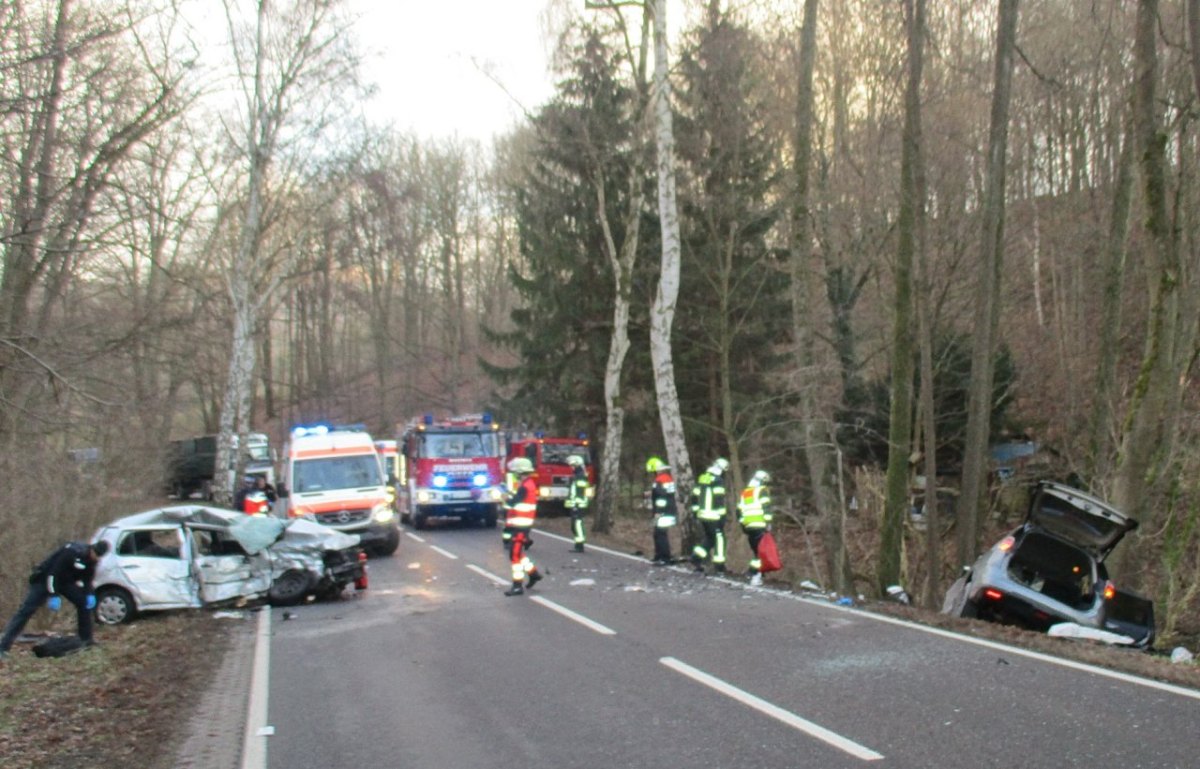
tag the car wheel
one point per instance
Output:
(331, 592)
(289, 588)
(389, 546)
(114, 606)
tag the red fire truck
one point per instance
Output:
(451, 468)
(549, 457)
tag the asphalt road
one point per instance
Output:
(610, 662)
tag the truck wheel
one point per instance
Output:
(420, 521)
(289, 588)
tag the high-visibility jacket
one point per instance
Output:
(708, 497)
(662, 499)
(580, 491)
(754, 507)
(520, 510)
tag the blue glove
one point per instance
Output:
(91, 602)
(54, 603)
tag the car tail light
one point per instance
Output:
(1110, 590)
(993, 594)
(1006, 544)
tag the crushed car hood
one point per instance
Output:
(1079, 518)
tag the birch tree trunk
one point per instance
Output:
(662, 314)
(971, 502)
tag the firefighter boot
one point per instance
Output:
(578, 547)
(516, 589)
(534, 576)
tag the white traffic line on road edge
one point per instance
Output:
(446, 553)
(774, 711)
(582, 620)
(414, 536)
(254, 744)
(589, 546)
(488, 574)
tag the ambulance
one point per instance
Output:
(333, 476)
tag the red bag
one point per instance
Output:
(768, 553)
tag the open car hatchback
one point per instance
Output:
(1050, 570)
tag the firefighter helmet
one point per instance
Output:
(520, 466)
(762, 476)
(720, 466)
(575, 460)
(654, 464)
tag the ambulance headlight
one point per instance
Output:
(381, 514)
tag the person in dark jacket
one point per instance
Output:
(67, 572)
(663, 507)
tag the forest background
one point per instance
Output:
(952, 241)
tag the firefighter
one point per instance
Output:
(662, 505)
(511, 481)
(579, 494)
(754, 514)
(521, 511)
(708, 506)
(68, 571)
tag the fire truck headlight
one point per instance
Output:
(479, 480)
(424, 496)
(440, 481)
(382, 514)
(496, 494)
(543, 491)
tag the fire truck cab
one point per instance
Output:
(451, 468)
(333, 476)
(549, 458)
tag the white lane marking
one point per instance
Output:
(774, 711)
(582, 620)
(488, 574)
(591, 547)
(414, 536)
(254, 743)
(1072, 664)
(446, 553)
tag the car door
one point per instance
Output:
(223, 569)
(154, 566)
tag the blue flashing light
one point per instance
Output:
(440, 481)
(480, 479)
(539, 434)
(583, 437)
(429, 419)
(487, 417)
(299, 431)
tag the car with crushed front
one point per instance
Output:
(194, 556)
(1050, 570)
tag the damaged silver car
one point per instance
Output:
(1051, 570)
(192, 556)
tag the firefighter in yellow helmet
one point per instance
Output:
(521, 511)
(579, 495)
(754, 514)
(663, 507)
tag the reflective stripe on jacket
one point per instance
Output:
(708, 497)
(754, 508)
(521, 508)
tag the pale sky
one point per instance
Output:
(428, 58)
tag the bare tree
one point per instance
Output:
(290, 61)
(987, 298)
(663, 312)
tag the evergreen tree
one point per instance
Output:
(733, 308)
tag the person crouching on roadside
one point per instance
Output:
(67, 572)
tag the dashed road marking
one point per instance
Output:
(774, 711)
(446, 553)
(582, 620)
